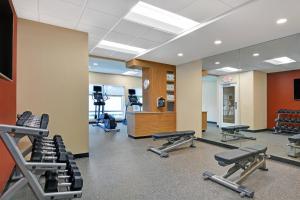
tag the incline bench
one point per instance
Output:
(174, 140)
(294, 146)
(234, 133)
(247, 159)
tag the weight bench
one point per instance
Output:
(247, 159)
(174, 140)
(234, 133)
(294, 146)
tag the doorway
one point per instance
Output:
(229, 105)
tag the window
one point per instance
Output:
(114, 103)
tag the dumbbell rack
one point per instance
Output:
(287, 121)
(30, 172)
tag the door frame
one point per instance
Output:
(236, 102)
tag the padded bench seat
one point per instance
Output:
(233, 128)
(233, 156)
(173, 134)
(294, 138)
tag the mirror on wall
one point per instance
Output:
(251, 85)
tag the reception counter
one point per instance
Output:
(143, 124)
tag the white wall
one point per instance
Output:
(209, 98)
(189, 97)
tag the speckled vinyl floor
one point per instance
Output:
(276, 143)
(120, 168)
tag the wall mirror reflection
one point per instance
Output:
(256, 90)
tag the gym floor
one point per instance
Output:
(276, 143)
(120, 168)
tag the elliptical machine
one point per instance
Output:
(104, 120)
(132, 101)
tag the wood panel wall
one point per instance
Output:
(156, 74)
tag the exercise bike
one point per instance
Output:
(132, 101)
(103, 120)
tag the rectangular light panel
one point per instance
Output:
(104, 44)
(280, 61)
(229, 69)
(131, 73)
(152, 16)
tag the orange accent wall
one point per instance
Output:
(8, 111)
(281, 93)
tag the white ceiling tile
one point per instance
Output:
(28, 14)
(102, 52)
(234, 3)
(157, 36)
(114, 7)
(98, 19)
(119, 37)
(76, 2)
(60, 10)
(143, 43)
(29, 4)
(92, 43)
(123, 56)
(131, 28)
(57, 21)
(202, 9)
(93, 31)
(170, 5)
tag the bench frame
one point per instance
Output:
(234, 135)
(294, 149)
(172, 143)
(248, 165)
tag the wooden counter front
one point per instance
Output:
(141, 124)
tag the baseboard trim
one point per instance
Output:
(82, 155)
(216, 143)
(141, 137)
(257, 130)
(284, 160)
(272, 157)
(211, 122)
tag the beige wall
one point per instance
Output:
(260, 100)
(115, 80)
(252, 98)
(53, 78)
(189, 97)
(246, 98)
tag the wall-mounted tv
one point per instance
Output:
(6, 40)
(297, 89)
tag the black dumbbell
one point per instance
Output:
(74, 183)
(38, 156)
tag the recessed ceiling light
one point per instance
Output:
(154, 17)
(104, 44)
(130, 73)
(255, 54)
(280, 60)
(281, 21)
(217, 63)
(95, 64)
(180, 54)
(217, 42)
(229, 69)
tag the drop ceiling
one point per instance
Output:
(236, 24)
(243, 58)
